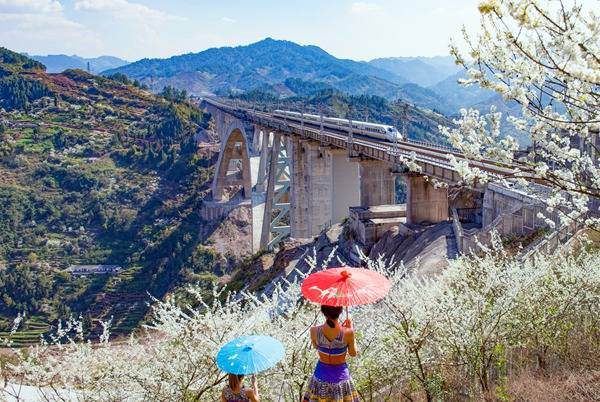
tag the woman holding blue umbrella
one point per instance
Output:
(236, 392)
(243, 356)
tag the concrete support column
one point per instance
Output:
(346, 184)
(377, 185)
(424, 202)
(266, 226)
(264, 160)
(318, 166)
(299, 191)
(220, 124)
(256, 140)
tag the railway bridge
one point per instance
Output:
(300, 177)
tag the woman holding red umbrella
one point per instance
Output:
(334, 289)
(331, 381)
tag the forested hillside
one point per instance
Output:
(95, 170)
(268, 62)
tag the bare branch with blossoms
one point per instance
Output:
(543, 55)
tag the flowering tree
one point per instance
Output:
(545, 56)
(469, 319)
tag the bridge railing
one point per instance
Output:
(431, 154)
(469, 215)
(552, 241)
(432, 145)
(472, 240)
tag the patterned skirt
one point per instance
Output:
(331, 383)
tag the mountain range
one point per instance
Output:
(242, 68)
(424, 71)
(57, 63)
(287, 69)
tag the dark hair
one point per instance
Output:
(331, 313)
(235, 380)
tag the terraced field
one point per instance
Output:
(29, 333)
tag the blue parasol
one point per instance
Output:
(249, 354)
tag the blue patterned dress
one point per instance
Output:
(331, 382)
(230, 396)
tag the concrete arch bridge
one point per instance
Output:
(300, 177)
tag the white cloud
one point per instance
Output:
(143, 25)
(40, 26)
(362, 7)
(30, 6)
(228, 20)
(125, 9)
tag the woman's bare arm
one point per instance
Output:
(349, 337)
(313, 337)
(255, 387)
(351, 342)
(250, 394)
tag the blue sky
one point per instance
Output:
(133, 29)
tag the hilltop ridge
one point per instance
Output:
(242, 68)
(57, 63)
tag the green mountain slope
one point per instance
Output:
(95, 171)
(242, 68)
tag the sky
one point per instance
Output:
(134, 29)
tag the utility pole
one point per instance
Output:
(404, 119)
(350, 131)
(321, 115)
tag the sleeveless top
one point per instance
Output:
(231, 397)
(330, 348)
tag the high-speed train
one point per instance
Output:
(379, 131)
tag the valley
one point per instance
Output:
(98, 170)
(310, 196)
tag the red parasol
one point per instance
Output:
(345, 286)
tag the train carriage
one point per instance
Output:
(373, 130)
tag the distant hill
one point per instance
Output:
(426, 98)
(265, 63)
(459, 96)
(444, 64)
(414, 70)
(424, 71)
(57, 63)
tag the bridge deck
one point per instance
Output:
(433, 159)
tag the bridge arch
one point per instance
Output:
(234, 147)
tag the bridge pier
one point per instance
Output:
(346, 179)
(318, 166)
(265, 144)
(324, 187)
(276, 217)
(377, 184)
(299, 191)
(424, 202)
